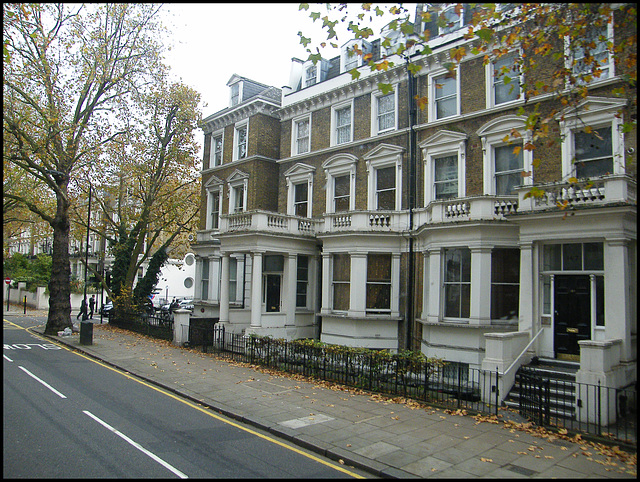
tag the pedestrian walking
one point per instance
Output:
(174, 306)
(92, 304)
(83, 310)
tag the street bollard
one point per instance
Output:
(86, 333)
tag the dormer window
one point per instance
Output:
(352, 55)
(391, 41)
(310, 75)
(314, 73)
(235, 94)
(453, 20)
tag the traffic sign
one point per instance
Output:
(7, 280)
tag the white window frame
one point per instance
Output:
(447, 30)
(347, 62)
(213, 186)
(433, 77)
(383, 156)
(236, 181)
(375, 96)
(294, 134)
(299, 174)
(609, 66)
(493, 135)
(214, 135)
(596, 112)
(334, 123)
(336, 166)
(231, 96)
(490, 77)
(441, 144)
(309, 81)
(396, 37)
(236, 151)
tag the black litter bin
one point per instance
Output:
(86, 333)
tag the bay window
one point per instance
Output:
(457, 282)
(340, 282)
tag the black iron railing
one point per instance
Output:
(392, 374)
(158, 325)
(558, 404)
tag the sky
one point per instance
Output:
(214, 41)
(211, 42)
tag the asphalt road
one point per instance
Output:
(66, 415)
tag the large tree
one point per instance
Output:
(67, 69)
(148, 182)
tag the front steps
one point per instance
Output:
(561, 376)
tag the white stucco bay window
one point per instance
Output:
(299, 179)
(444, 165)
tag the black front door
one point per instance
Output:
(572, 301)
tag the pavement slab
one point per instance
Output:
(369, 431)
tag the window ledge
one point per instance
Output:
(463, 324)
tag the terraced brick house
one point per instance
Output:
(335, 211)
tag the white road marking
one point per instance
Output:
(7, 358)
(41, 381)
(137, 445)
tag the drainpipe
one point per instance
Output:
(411, 89)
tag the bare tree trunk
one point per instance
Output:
(59, 284)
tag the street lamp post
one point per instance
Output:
(86, 257)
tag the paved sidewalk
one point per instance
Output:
(371, 432)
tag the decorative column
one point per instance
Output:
(480, 303)
(256, 289)
(224, 289)
(290, 282)
(527, 300)
(619, 289)
(395, 284)
(358, 285)
(425, 284)
(326, 283)
(434, 281)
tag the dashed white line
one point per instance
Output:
(7, 358)
(137, 445)
(41, 381)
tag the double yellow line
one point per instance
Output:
(202, 409)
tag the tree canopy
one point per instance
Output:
(71, 73)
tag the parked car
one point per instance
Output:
(186, 304)
(106, 309)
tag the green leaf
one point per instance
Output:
(385, 88)
(485, 34)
